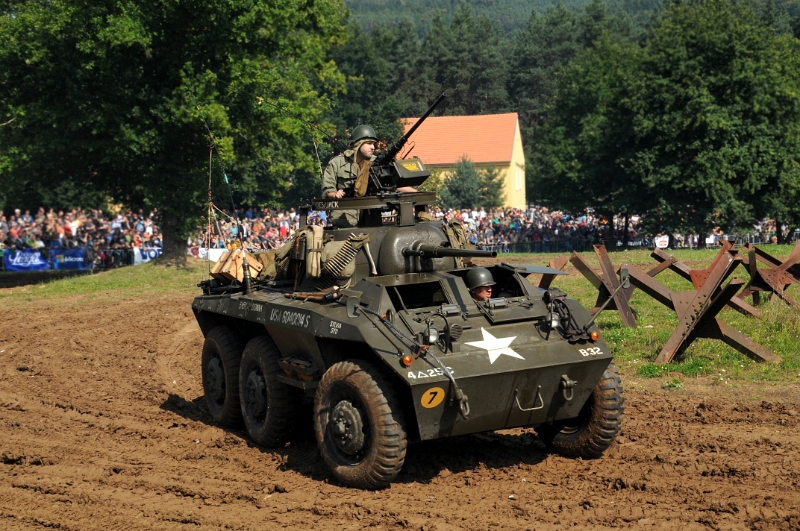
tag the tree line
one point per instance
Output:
(688, 115)
(508, 16)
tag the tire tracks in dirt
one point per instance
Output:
(95, 435)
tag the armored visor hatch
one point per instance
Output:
(385, 327)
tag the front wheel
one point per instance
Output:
(590, 433)
(359, 425)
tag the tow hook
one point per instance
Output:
(568, 387)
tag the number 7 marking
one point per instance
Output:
(432, 397)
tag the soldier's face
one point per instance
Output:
(482, 293)
(367, 149)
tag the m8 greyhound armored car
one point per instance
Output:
(376, 324)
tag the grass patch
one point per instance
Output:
(672, 384)
(125, 282)
(634, 350)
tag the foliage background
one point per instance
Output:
(684, 110)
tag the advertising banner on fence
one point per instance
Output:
(69, 258)
(145, 254)
(211, 254)
(27, 260)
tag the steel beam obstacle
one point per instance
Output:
(697, 310)
(698, 277)
(774, 278)
(606, 283)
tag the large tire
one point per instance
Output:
(222, 352)
(359, 425)
(269, 407)
(595, 428)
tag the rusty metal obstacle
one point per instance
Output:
(697, 310)
(608, 286)
(559, 262)
(774, 278)
(698, 277)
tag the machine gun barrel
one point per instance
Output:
(392, 152)
(428, 251)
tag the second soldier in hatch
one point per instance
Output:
(341, 177)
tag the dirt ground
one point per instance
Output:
(103, 426)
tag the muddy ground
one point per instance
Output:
(103, 426)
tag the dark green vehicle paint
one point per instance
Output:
(525, 358)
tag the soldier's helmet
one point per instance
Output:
(363, 132)
(477, 277)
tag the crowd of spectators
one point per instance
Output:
(108, 240)
(506, 230)
(535, 229)
(539, 229)
(262, 229)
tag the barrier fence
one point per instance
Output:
(79, 258)
(582, 245)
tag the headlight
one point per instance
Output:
(555, 321)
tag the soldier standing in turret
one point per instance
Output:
(343, 170)
(340, 176)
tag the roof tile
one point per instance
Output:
(443, 140)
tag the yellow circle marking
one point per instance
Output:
(432, 397)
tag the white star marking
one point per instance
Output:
(496, 346)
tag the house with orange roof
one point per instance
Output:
(486, 140)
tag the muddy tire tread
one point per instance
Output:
(283, 400)
(229, 347)
(388, 444)
(598, 433)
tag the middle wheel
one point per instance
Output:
(359, 425)
(269, 406)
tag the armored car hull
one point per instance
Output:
(383, 324)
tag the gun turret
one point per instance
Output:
(429, 251)
(386, 174)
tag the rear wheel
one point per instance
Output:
(222, 351)
(590, 433)
(269, 407)
(359, 425)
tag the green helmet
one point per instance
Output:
(362, 132)
(477, 277)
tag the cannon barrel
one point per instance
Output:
(428, 251)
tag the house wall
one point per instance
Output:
(513, 174)
(514, 188)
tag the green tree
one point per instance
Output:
(717, 117)
(777, 17)
(699, 128)
(584, 148)
(374, 65)
(111, 96)
(540, 55)
(491, 188)
(467, 60)
(467, 186)
(462, 187)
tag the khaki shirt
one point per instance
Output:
(341, 174)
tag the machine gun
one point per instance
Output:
(387, 174)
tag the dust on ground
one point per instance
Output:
(104, 427)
